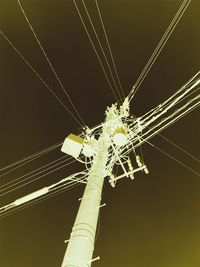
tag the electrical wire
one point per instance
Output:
(172, 157)
(134, 141)
(109, 47)
(193, 80)
(95, 51)
(39, 77)
(48, 61)
(36, 201)
(172, 121)
(28, 159)
(146, 140)
(101, 47)
(45, 192)
(162, 111)
(180, 95)
(159, 47)
(19, 179)
(28, 181)
(180, 148)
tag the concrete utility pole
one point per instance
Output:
(80, 247)
(81, 243)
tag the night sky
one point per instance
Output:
(153, 221)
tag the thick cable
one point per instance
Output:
(36, 201)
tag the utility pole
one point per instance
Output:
(80, 247)
(81, 243)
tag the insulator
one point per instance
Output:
(88, 150)
(120, 136)
(89, 146)
(138, 160)
(112, 183)
(146, 170)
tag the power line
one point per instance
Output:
(93, 46)
(60, 190)
(184, 90)
(169, 122)
(180, 148)
(18, 179)
(38, 75)
(148, 130)
(19, 163)
(170, 156)
(109, 47)
(101, 47)
(29, 179)
(49, 62)
(45, 191)
(159, 47)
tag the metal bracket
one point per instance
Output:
(103, 205)
(82, 198)
(143, 167)
(95, 259)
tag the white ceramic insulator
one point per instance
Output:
(120, 139)
(88, 150)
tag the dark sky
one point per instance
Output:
(152, 221)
